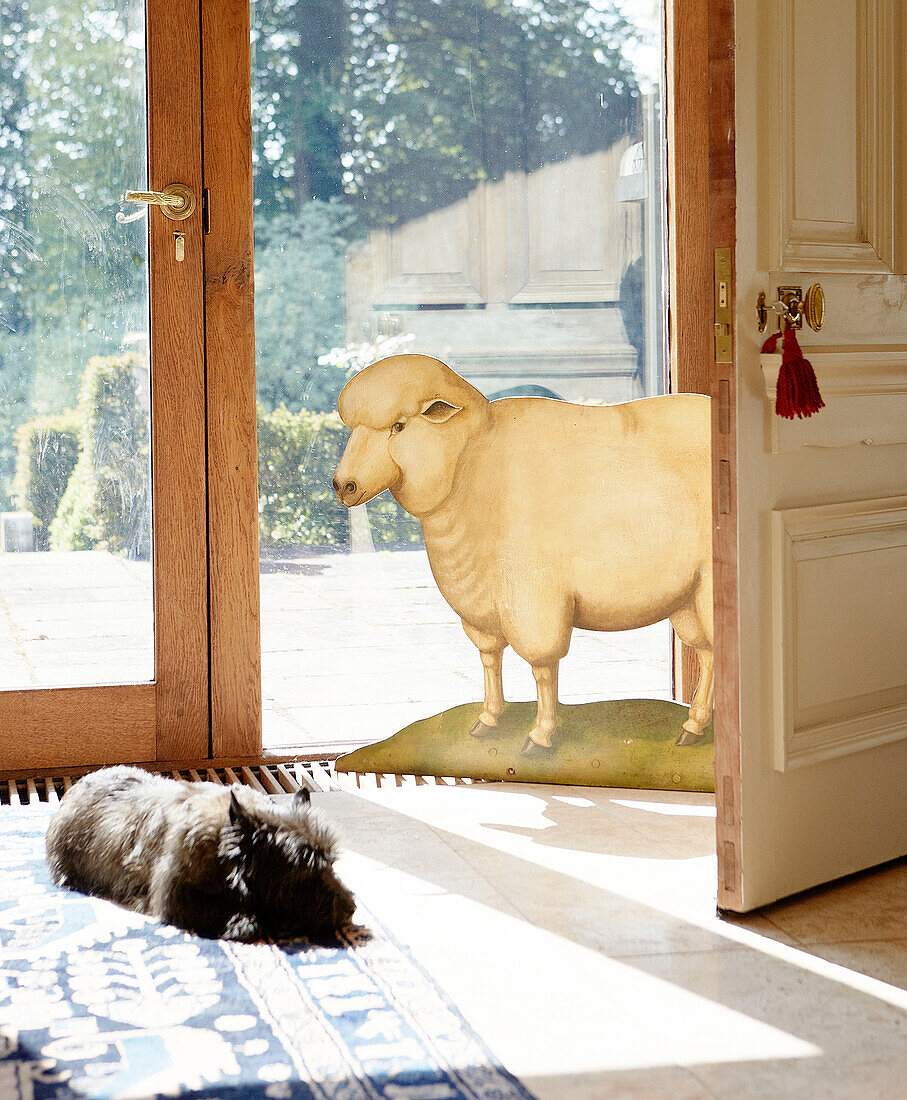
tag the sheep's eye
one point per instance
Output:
(398, 427)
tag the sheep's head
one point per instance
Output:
(410, 416)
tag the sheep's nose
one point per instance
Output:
(344, 490)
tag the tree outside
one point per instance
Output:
(367, 113)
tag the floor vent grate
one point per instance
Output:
(349, 781)
(282, 778)
(271, 778)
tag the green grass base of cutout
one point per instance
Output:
(616, 743)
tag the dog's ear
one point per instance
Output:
(238, 815)
(302, 798)
(235, 845)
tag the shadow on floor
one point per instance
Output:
(567, 821)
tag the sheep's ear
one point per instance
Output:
(439, 412)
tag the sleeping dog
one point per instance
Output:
(223, 862)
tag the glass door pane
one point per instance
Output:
(479, 182)
(76, 599)
(102, 378)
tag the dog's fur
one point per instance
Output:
(223, 862)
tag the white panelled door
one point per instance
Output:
(822, 515)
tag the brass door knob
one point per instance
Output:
(176, 201)
(814, 307)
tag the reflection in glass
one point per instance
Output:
(478, 181)
(75, 533)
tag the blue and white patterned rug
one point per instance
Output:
(96, 1001)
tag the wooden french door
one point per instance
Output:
(169, 717)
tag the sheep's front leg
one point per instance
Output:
(538, 743)
(491, 650)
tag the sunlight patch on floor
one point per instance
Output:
(520, 822)
(576, 930)
(672, 809)
(659, 1022)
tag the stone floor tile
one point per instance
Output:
(526, 936)
(871, 905)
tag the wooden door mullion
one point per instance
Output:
(177, 385)
(231, 403)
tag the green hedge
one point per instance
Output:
(47, 450)
(297, 456)
(296, 502)
(85, 474)
(106, 503)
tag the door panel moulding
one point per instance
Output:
(865, 392)
(853, 694)
(831, 155)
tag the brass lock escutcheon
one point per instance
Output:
(793, 307)
(177, 200)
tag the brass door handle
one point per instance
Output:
(793, 307)
(176, 201)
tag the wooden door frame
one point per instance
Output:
(686, 101)
(702, 217)
(167, 718)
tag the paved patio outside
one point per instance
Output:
(354, 646)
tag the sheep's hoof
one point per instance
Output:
(532, 750)
(687, 737)
(479, 729)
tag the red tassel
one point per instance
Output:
(797, 393)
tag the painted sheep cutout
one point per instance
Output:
(540, 516)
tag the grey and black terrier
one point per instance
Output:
(223, 862)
